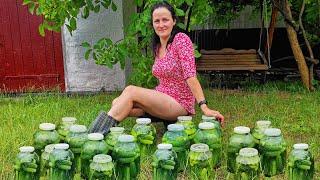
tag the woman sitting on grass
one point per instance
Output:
(174, 67)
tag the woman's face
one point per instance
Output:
(162, 22)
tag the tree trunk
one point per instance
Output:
(272, 25)
(297, 52)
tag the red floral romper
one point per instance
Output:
(174, 69)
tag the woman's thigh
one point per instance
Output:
(156, 103)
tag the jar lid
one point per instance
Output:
(175, 127)
(272, 132)
(125, 138)
(248, 152)
(95, 136)
(26, 149)
(204, 117)
(49, 148)
(78, 128)
(206, 125)
(143, 121)
(102, 158)
(117, 129)
(199, 147)
(184, 118)
(241, 130)
(69, 119)
(62, 146)
(301, 146)
(47, 126)
(263, 123)
(164, 146)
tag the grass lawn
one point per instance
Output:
(294, 111)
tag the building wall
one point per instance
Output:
(83, 75)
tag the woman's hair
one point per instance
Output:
(175, 30)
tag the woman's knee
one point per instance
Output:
(114, 101)
(129, 90)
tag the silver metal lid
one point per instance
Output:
(272, 132)
(78, 128)
(206, 125)
(301, 146)
(263, 123)
(248, 152)
(47, 126)
(62, 146)
(204, 117)
(95, 136)
(69, 119)
(102, 158)
(143, 121)
(26, 149)
(184, 118)
(165, 146)
(49, 148)
(117, 129)
(241, 130)
(199, 147)
(175, 127)
(126, 138)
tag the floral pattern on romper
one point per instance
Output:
(172, 71)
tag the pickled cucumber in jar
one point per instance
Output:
(240, 138)
(76, 138)
(273, 152)
(208, 134)
(188, 125)
(63, 127)
(44, 136)
(248, 164)
(95, 145)
(44, 161)
(200, 162)
(212, 120)
(180, 142)
(258, 131)
(102, 168)
(26, 164)
(112, 137)
(164, 163)
(145, 135)
(60, 162)
(127, 157)
(300, 163)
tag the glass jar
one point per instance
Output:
(26, 164)
(60, 162)
(208, 134)
(145, 135)
(258, 131)
(102, 168)
(248, 164)
(200, 162)
(180, 142)
(127, 157)
(63, 128)
(273, 152)
(214, 121)
(112, 137)
(44, 136)
(44, 161)
(95, 145)
(76, 138)
(164, 163)
(188, 125)
(241, 138)
(300, 163)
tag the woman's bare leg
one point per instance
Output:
(135, 111)
(153, 102)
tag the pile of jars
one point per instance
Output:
(71, 153)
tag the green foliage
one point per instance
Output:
(57, 12)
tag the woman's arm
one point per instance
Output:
(196, 90)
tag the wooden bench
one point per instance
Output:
(228, 59)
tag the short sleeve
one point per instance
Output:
(184, 47)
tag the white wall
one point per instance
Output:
(83, 75)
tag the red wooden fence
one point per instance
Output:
(28, 62)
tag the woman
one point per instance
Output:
(175, 69)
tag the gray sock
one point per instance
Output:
(102, 123)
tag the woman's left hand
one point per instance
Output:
(209, 112)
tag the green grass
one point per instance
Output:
(293, 110)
